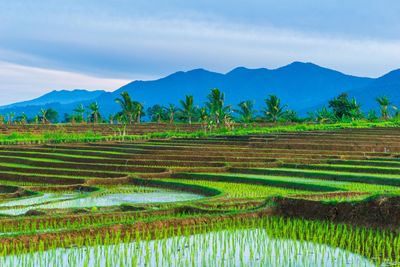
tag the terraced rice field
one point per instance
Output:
(329, 198)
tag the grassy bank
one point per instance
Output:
(61, 136)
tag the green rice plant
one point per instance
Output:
(269, 241)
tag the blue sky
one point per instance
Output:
(48, 44)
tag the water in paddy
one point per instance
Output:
(226, 248)
(80, 200)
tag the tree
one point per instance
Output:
(342, 107)
(80, 110)
(94, 112)
(23, 119)
(274, 109)
(47, 115)
(157, 113)
(290, 116)
(111, 119)
(127, 107)
(138, 111)
(10, 116)
(171, 110)
(203, 117)
(218, 112)
(384, 104)
(188, 108)
(245, 111)
(355, 110)
(372, 116)
(324, 115)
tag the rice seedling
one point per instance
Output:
(193, 199)
(269, 242)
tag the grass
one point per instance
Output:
(60, 136)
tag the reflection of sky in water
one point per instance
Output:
(100, 201)
(225, 248)
(39, 199)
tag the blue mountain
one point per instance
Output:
(59, 97)
(388, 85)
(302, 86)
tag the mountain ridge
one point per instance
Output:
(300, 85)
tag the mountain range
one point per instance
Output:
(302, 86)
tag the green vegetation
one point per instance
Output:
(214, 114)
(272, 241)
(297, 194)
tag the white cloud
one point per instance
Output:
(126, 47)
(23, 83)
(157, 46)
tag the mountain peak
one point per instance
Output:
(244, 70)
(394, 74)
(301, 85)
(301, 65)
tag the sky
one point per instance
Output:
(96, 44)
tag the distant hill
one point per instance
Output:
(59, 97)
(303, 86)
(388, 85)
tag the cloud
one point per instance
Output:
(157, 46)
(82, 45)
(23, 83)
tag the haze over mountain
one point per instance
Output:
(59, 97)
(303, 86)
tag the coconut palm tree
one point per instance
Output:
(10, 116)
(43, 115)
(80, 110)
(355, 110)
(127, 106)
(94, 112)
(384, 104)
(188, 108)
(245, 111)
(23, 119)
(157, 113)
(171, 110)
(47, 115)
(138, 111)
(274, 109)
(215, 105)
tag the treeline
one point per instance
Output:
(214, 112)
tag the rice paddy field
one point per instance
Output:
(309, 198)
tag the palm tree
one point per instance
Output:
(47, 115)
(127, 106)
(216, 106)
(80, 109)
(138, 111)
(355, 110)
(94, 111)
(171, 109)
(23, 119)
(246, 111)
(43, 115)
(274, 109)
(384, 104)
(158, 112)
(188, 107)
(11, 116)
(111, 119)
